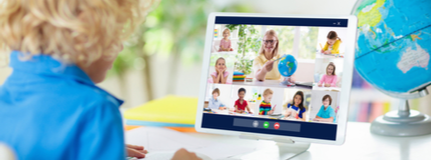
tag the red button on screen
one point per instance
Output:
(276, 125)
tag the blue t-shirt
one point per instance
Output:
(215, 103)
(54, 111)
(327, 113)
(297, 109)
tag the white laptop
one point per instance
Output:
(242, 89)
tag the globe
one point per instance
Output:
(394, 44)
(393, 55)
(287, 65)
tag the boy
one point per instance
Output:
(241, 105)
(50, 106)
(214, 102)
(265, 106)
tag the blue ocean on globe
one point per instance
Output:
(394, 44)
(287, 65)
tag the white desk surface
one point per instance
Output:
(359, 144)
(326, 88)
(322, 55)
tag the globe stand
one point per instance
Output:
(286, 82)
(403, 122)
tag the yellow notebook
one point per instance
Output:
(170, 109)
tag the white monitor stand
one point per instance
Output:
(287, 147)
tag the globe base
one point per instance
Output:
(287, 82)
(402, 123)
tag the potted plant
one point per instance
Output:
(248, 46)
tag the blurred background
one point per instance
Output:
(164, 56)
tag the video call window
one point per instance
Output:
(290, 73)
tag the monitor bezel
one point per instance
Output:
(345, 87)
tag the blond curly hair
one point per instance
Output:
(75, 31)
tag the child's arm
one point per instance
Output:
(335, 49)
(271, 111)
(224, 78)
(304, 116)
(287, 112)
(222, 107)
(214, 79)
(219, 77)
(334, 81)
(324, 119)
(325, 48)
(248, 109)
(317, 118)
(222, 48)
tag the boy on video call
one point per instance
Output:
(241, 105)
(265, 106)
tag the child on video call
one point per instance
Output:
(241, 105)
(214, 102)
(326, 112)
(330, 78)
(50, 105)
(332, 44)
(265, 107)
(296, 110)
(220, 75)
(225, 43)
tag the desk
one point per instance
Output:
(359, 144)
(322, 55)
(315, 87)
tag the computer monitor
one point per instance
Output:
(282, 76)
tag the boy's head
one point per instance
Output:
(241, 93)
(327, 100)
(86, 33)
(331, 69)
(267, 94)
(216, 93)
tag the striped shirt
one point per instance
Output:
(264, 108)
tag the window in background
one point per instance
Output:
(308, 41)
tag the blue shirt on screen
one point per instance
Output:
(215, 103)
(299, 111)
(327, 113)
(50, 110)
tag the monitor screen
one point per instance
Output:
(278, 76)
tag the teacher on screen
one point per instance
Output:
(264, 65)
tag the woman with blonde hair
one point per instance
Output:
(264, 65)
(50, 106)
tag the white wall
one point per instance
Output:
(316, 103)
(305, 72)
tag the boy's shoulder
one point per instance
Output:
(79, 94)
